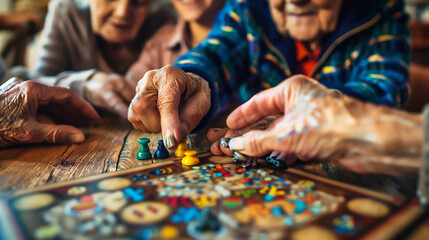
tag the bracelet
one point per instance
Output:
(423, 184)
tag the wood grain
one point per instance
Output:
(33, 165)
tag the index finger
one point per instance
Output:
(263, 104)
(170, 91)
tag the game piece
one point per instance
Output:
(144, 152)
(244, 160)
(224, 142)
(190, 159)
(275, 162)
(180, 151)
(208, 221)
(161, 151)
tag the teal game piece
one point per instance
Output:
(144, 152)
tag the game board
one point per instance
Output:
(209, 201)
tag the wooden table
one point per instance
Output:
(111, 145)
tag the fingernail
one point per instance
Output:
(76, 138)
(170, 140)
(236, 144)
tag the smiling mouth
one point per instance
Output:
(121, 26)
(304, 14)
(190, 2)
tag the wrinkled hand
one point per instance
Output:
(320, 123)
(170, 100)
(215, 134)
(109, 91)
(21, 101)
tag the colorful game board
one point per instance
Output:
(208, 201)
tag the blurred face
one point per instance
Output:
(197, 10)
(118, 21)
(305, 20)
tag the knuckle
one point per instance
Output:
(30, 87)
(254, 142)
(142, 105)
(147, 78)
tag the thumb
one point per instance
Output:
(57, 133)
(254, 143)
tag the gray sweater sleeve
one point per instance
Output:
(67, 56)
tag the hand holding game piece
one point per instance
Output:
(144, 152)
(21, 101)
(321, 123)
(159, 95)
(109, 91)
(217, 134)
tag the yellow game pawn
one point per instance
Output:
(190, 159)
(180, 151)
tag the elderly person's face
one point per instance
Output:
(118, 21)
(194, 10)
(305, 20)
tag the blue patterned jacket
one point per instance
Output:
(366, 57)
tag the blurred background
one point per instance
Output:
(19, 42)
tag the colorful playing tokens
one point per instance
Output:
(33, 202)
(368, 207)
(145, 213)
(114, 184)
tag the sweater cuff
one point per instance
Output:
(75, 80)
(213, 94)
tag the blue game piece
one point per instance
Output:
(161, 151)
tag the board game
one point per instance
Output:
(216, 199)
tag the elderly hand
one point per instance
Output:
(21, 101)
(320, 123)
(109, 91)
(171, 100)
(215, 134)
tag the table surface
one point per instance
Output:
(111, 145)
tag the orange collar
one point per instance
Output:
(306, 60)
